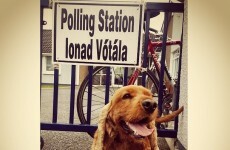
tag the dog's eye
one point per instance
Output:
(127, 96)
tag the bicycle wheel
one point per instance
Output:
(99, 88)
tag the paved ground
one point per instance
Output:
(55, 140)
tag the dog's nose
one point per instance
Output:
(149, 105)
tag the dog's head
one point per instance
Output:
(129, 115)
(132, 109)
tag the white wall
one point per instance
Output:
(65, 69)
(183, 119)
(64, 74)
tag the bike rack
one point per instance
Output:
(150, 6)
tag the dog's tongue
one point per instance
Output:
(140, 129)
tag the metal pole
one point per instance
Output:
(146, 45)
(163, 54)
(55, 93)
(125, 81)
(90, 68)
(72, 94)
(107, 83)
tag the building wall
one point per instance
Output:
(168, 48)
(174, 32)
(64, 75)
(65, 70)
(183, 119)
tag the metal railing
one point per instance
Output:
(150, 6)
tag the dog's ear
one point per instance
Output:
(100, 133)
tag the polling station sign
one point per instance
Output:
(97, 33)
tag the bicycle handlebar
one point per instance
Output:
(153, 45)
(159, 44)
(154, 30)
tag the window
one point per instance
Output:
(174, 63)
(100, 78)
(47, 64)
(116, 76)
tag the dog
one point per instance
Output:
(128, 121)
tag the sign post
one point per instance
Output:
(97, 33)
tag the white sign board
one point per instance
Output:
(97, 33)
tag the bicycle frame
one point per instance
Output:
(151, 49)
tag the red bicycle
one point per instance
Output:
(105, 80)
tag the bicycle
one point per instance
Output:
(117, 79)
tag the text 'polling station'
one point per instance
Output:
(101, 22)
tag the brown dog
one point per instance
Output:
(128, 121)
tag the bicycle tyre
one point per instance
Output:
(83, 93)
